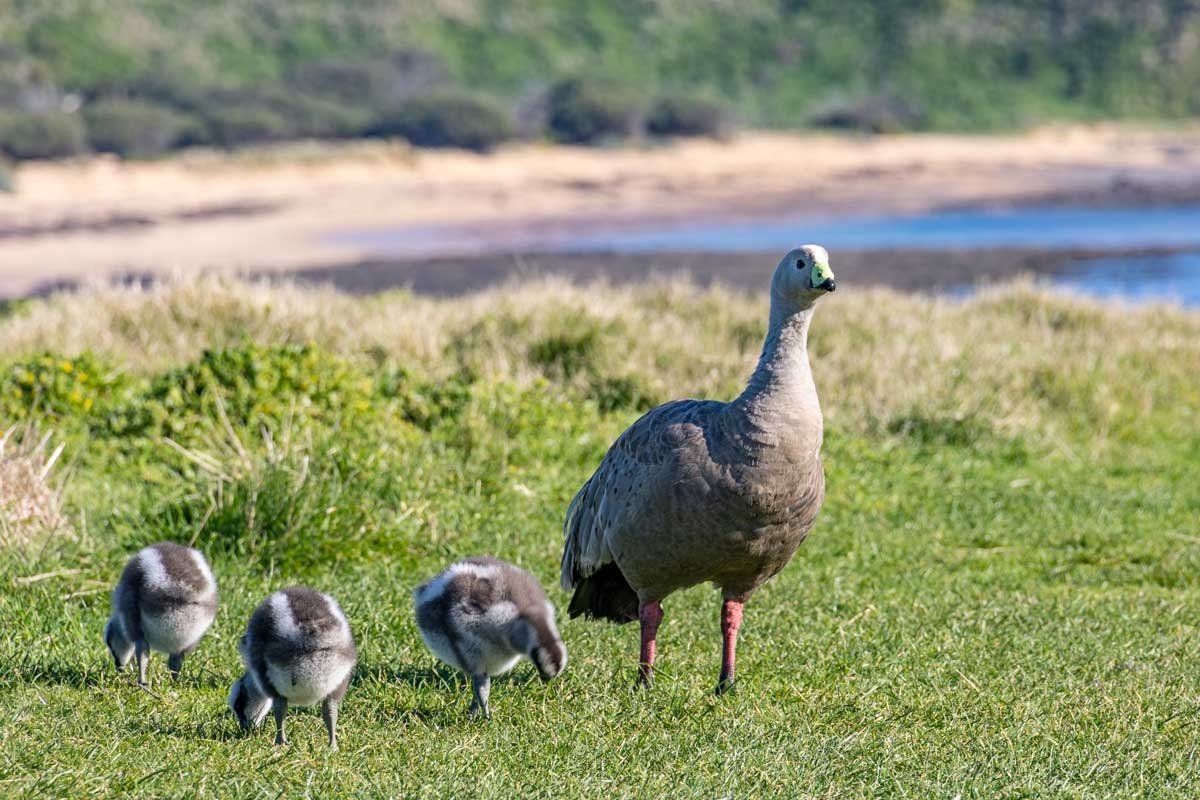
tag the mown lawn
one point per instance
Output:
(1000, 598)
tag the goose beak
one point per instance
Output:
(822, 277)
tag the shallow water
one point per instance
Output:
(1026, 227)
(1173, 278)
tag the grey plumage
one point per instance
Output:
(297, 649)
(703, 491)
(481, 616)
(165, 600)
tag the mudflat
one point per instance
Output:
(280, 209)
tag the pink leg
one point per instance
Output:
(731, 620)
(650, 615)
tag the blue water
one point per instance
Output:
(1174, 278)
(1026, 227)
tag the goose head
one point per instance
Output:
(802, 277)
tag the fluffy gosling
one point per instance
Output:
(297, 649)
(481, 615)
(165, 600)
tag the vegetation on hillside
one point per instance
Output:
(998, 599)
(168, 74)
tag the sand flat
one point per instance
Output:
(277, 209)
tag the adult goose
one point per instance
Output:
(703, 491)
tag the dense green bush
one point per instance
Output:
(875, 114)
(42, 134)
(132, 127)
(322, 117)
(447, 118)
(235, 125)
(685, 115)
(587, 111)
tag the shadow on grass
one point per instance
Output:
(85, 675)
(439, 677)
(215, 728)
(440, 694)
(72, 675)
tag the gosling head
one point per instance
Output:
(249, 703)
(118, 645)
(550, 658)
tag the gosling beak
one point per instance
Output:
(822, 278)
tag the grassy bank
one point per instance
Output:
(140, 78)
(999, 599)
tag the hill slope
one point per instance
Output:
(246, 70)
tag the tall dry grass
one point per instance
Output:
(1016, 358)
(30, 505)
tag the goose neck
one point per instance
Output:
(782, 384)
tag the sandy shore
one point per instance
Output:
(279, 210)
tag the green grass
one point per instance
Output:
(999, 599)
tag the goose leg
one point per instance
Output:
(731, 620)
(143, 660)
(329, 712)
(175, 664)
(650, 615)
(481, 689)
(280, 707)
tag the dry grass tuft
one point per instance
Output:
(30, 506)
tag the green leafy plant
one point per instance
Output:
(133, 128)
(686, 115)
(42, 134)
(54, 386)
(587, 111)
(446, 118)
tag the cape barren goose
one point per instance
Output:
(481, 616)
(699, 490)
(297, 649)
(165, 600)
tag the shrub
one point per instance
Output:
(875, 114)
(321, 117)
(44, 134)
(586, 111)
(132, 128)
(447, 119)
(234, 125)
(685, 115)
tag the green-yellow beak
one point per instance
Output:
(822, 277)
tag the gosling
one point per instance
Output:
(481, 615)
(297, 649)
(165, 600)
